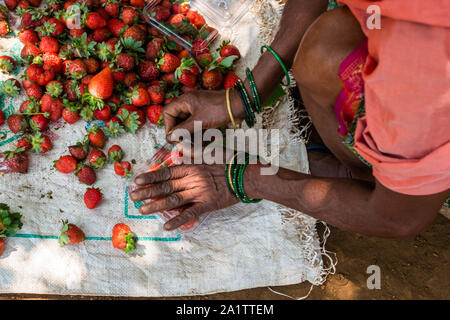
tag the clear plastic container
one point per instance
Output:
(166, 156)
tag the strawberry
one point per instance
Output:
(11, 4)
(41, 143)
(95, 21)
(101, 35)
(131, 117)
(10, 87)
(70, 116)
(30, 106)
(114, 127)
(130, 78)
(35, 3)
(7, 64)
(212, 79)
(186, 77)
(118, 76)
(97, 159)
(113, 9)
(28, 36)
(156, 93)
(125, 61)
(3, 13)
(199, 46)
(54, 89)
(116, 26)
(92, 197)
(70, 234)
(2, 246)
(96, 137)
(136, 33)
(230, 80)
(148, 70)
(86, 174)
(122, 168)
(75, 69)
(24, 143)
(122, 238)
(52, 27)
(227, 50)
(102, 84)
(17, 123)
(4, 28)
(2, 117)
(169, 62)
(17, 160)
(92, 65)
(130, 16)
(195, 18)
(49, 44)
(179, 22)
(52, 62)
(79, 151)
(29, 51)
(140, 97)
(66, 164)
(103, 114)
(204, 59)
(160, 13)
(52, 106)
(38, 122)
(115, 153)
(154, 114)
(137, 3)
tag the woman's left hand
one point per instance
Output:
(203, 187)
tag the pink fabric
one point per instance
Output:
(348, 101)
(405, 134)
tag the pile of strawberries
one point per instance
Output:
(112, 67)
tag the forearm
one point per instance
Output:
(345, 203)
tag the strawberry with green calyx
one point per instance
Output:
(103, 114)
(38, 122)
(40, 143)
(10, 87)
(24, 143)
(132, 44)
(97, 159)
(82, 47)
(4, 28)
(123, 169)
(122, 238)
(92, 197)
(66, 164)
(30, 106)
(10, 222)
(131, 117)
(226, 50)
(139, 97)
(80, 150)
(154, 114)
(54, 88)
(7, 64)
(112, 7)
(17, 123)
(187, 72)
(168, 62)
(17, 160)
(86, 174)
(93, 102)
(104, 53)
(96, 137)
(221, 63)
(70, 234)
(4, 12)
(115, 153)
(114, 127)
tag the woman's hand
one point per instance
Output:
(202, 187)
(210, 107)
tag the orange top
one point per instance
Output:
(405, 133)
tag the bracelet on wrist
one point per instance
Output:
(288, 79)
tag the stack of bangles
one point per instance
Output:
(234, 176)
(251, 108)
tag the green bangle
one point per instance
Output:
(255, 94)
(280, 62)
(250, 117)
(238, 181)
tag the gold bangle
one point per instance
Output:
(227, 94)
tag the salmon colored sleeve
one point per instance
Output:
(405, 133)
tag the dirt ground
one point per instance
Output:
(410, 269)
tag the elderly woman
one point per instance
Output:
(378, 96)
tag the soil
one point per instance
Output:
(410, 269)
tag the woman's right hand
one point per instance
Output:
(210, 107)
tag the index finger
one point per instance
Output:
(186, 216)
(163, 174)
(174, 111)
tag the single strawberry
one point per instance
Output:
(24, 143)
(156, 93)
(136, 33)
(125, 61)
(28, 36)
(2, 246)
(97, 159)
(49, 44)
(103, 114)
(54, 88)
(212, 79)
(130, 78)
(52, 62)
(4, 28)
(30, 106)
(41, 143)
(38, 122)
(169, 62)
(34, 91)
(154, 114)
(35, 3)
(86, 174)
(17, 160)
(230, 80)
(66, 164)
(113, 9)
(29, 51)
(52, 106)
(130, 16)
(160, 13)
(153, 48)
(131, 117)
(79, 151)
(75, 69)
(11, 4)
(92, 197)
(204, 59)
(92, 65)
(7, 64)
(226, 50)
(10, 87)
(117, 26)
(96, 137)
(114, 127)
(102, 84)
(122, 238)
(140, 97)
(115, 153)
(199, 46)
(95, 21)
(148, 70)
(17, 123)
(196, 18)
(70, 234)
